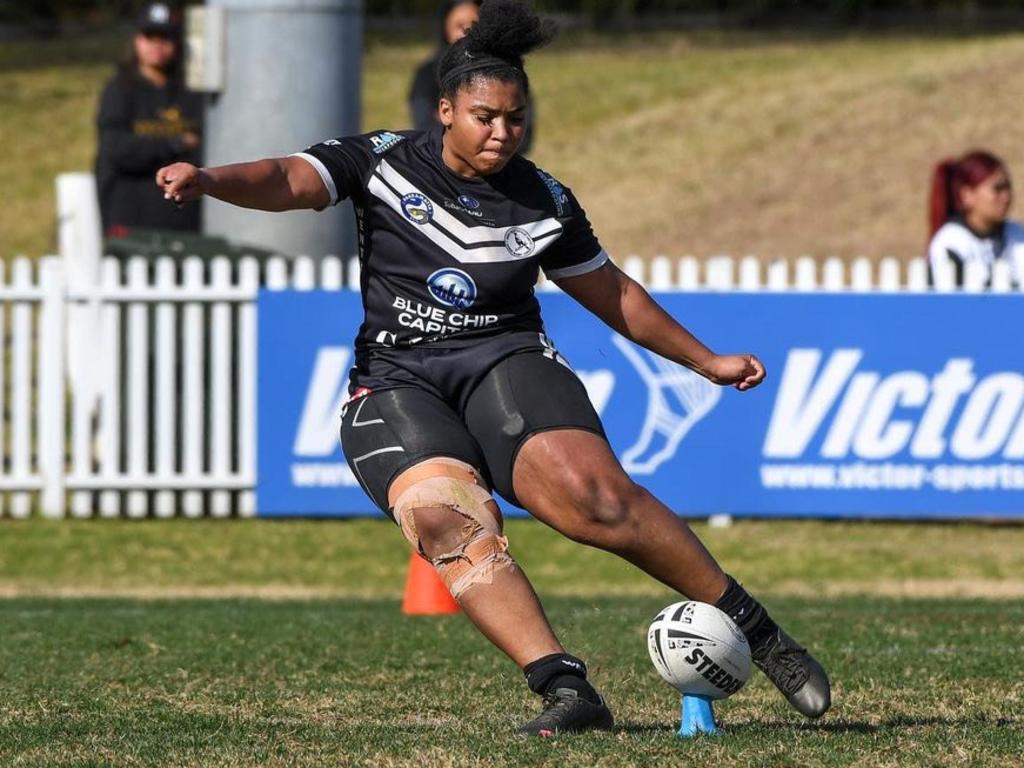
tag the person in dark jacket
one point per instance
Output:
(457, 16)
(146, 119)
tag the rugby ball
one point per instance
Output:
(698, 650)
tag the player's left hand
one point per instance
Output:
(741, 371)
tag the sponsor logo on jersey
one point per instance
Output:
(558, 195)
(469, 203)
(453, 206)
(382, 142)
(518, 242)
(452, 287)
(417, 208)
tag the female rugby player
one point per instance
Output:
(968, 213)
(456, 389)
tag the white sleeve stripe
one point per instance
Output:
(578, 269)
(325, 175)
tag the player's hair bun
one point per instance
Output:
(507, 30)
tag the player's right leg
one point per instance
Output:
(554, 458)
(416, 460)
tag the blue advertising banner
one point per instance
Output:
(875, 405)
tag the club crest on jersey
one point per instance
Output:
(417, 208)
(452, 287)
(518, 242)
(470, 203)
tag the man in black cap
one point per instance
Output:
(146, 120)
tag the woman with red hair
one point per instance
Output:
(970, 201)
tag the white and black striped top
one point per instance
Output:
(955, 249)
(445, 258)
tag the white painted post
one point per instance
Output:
(81, 446)
(860, 275)
(689, 273)
(220, 388)
(718, 271)
(20, 396)
(917, 274)
(165, 389)
(889, 275)
(138, 386)
(352, 277)
(3, 381)
(778, 275)
(661, 274)
(110, 403)
(248, 279)
(80, 240)
(833, 275)
(750, 274)
(303, 274)
(21, 388)
(634, 267)
(50, 374)
(277, 273)
(806, 274)
(193, 392)
(331, 274)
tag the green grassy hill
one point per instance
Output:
(675, 144)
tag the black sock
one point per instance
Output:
(750, 616)
(560, 670)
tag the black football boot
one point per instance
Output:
(565, 711)
(796, 673)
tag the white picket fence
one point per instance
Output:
(135, 395)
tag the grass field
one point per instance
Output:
(239, 643)
(675, 143)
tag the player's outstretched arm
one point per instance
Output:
(276, 184)
(628, 308)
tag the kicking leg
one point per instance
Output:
(571, 480)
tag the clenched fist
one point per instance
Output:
(181, 182)
(741, 371)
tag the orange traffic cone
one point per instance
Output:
(425, 593)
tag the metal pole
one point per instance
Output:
(292, 77)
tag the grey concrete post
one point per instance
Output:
(293, 78)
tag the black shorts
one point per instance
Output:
(392, 428)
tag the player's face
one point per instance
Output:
(154, 50)
(989, 202)
(459, 20)
(485, 125)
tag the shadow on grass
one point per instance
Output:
(831, 726)
(742, 727)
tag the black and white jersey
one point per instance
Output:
(447, 259)
(955, 249)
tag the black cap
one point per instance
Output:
(159, 18)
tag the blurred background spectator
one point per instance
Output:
(970, 202)
(456, 17)
(147, 119)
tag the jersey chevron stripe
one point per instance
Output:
(467, 245)
(480, 254)
(466, 234)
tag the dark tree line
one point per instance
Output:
(600, 12)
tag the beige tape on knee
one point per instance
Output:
(454, 485)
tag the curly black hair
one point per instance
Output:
(494, 47)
